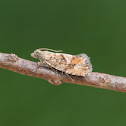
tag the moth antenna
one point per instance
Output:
(46, 49)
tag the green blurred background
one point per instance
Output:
(94, 27)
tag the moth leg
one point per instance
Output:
(69, 77)
(51, 67)
(39, 64)
(62, 72)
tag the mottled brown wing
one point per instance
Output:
(75, 65)
(81, 65)
(59, 61)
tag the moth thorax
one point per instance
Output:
(47, 55)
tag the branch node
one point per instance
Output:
(12, 57)
(55, 82)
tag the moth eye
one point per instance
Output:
(37, 55)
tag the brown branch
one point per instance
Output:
(26, 67)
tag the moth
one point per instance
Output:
(78, 65)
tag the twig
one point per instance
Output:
(29, 68)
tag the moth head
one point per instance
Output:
(37, 54)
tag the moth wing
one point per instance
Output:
(78, 70)
(81, 65)
(58, 66)
(86, 61)
(76, 65)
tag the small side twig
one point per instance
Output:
(26, 67)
